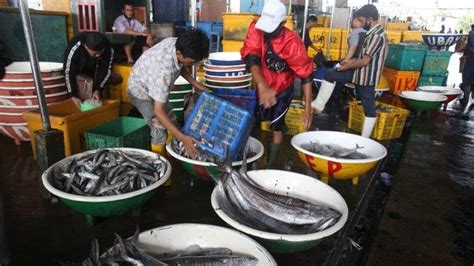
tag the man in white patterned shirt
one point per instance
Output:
(153, 76)
(127, 24)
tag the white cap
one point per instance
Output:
(273, 13)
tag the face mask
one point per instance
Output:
(275, 33)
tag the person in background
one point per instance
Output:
(310, 23)
(442, 29)
(152, 78)
(88, 58)
(276, 56)
(356, 39)
(364, 70)
(127, 24)
(468, 71)
(4, 60)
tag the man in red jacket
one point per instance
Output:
(275, 56)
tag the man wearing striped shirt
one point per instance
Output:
(364, 70)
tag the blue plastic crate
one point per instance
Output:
(220, 126)
(245, 99)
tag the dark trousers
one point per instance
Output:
(340, 78)
(365, 93)
(137, 47)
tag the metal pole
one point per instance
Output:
(330, 28)
(27, 28)
(193, 13)
(193, 24)
(306, 4)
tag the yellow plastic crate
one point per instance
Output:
(320, 36)
(388, 125)
(236, 24)
(397, 26)
(232, 46)
(66, 117)
(293, 119)
(413, 36)
(344, 38)
(119, 91)
(323, 21)
(394, 36)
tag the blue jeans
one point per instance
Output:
(367, 95)
(340, 78)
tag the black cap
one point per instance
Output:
(95, 41)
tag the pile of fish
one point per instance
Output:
(249, 204)
(383, 109)
(204, 156)
(334, 150)
(127, 252)
(108, 172)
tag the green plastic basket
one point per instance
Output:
(436, 63)
(122, 132)
(406, 56)
(432, 81)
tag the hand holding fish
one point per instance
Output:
(188, 143)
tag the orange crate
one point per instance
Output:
(399, 81)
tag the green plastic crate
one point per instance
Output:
(432, 81)
(122, 132)
(406, 56)
(436, 63)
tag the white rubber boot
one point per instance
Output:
(369, 123)
(324, 94)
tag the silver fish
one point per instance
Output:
(334, 150)
(127, 251)
(255, 206)
(108, 172)
(178, 147)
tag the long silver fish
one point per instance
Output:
(280, 213)
(129, 253)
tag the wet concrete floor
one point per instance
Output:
(429, 216)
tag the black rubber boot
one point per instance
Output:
(274, 150)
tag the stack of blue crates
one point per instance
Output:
(222, 127)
